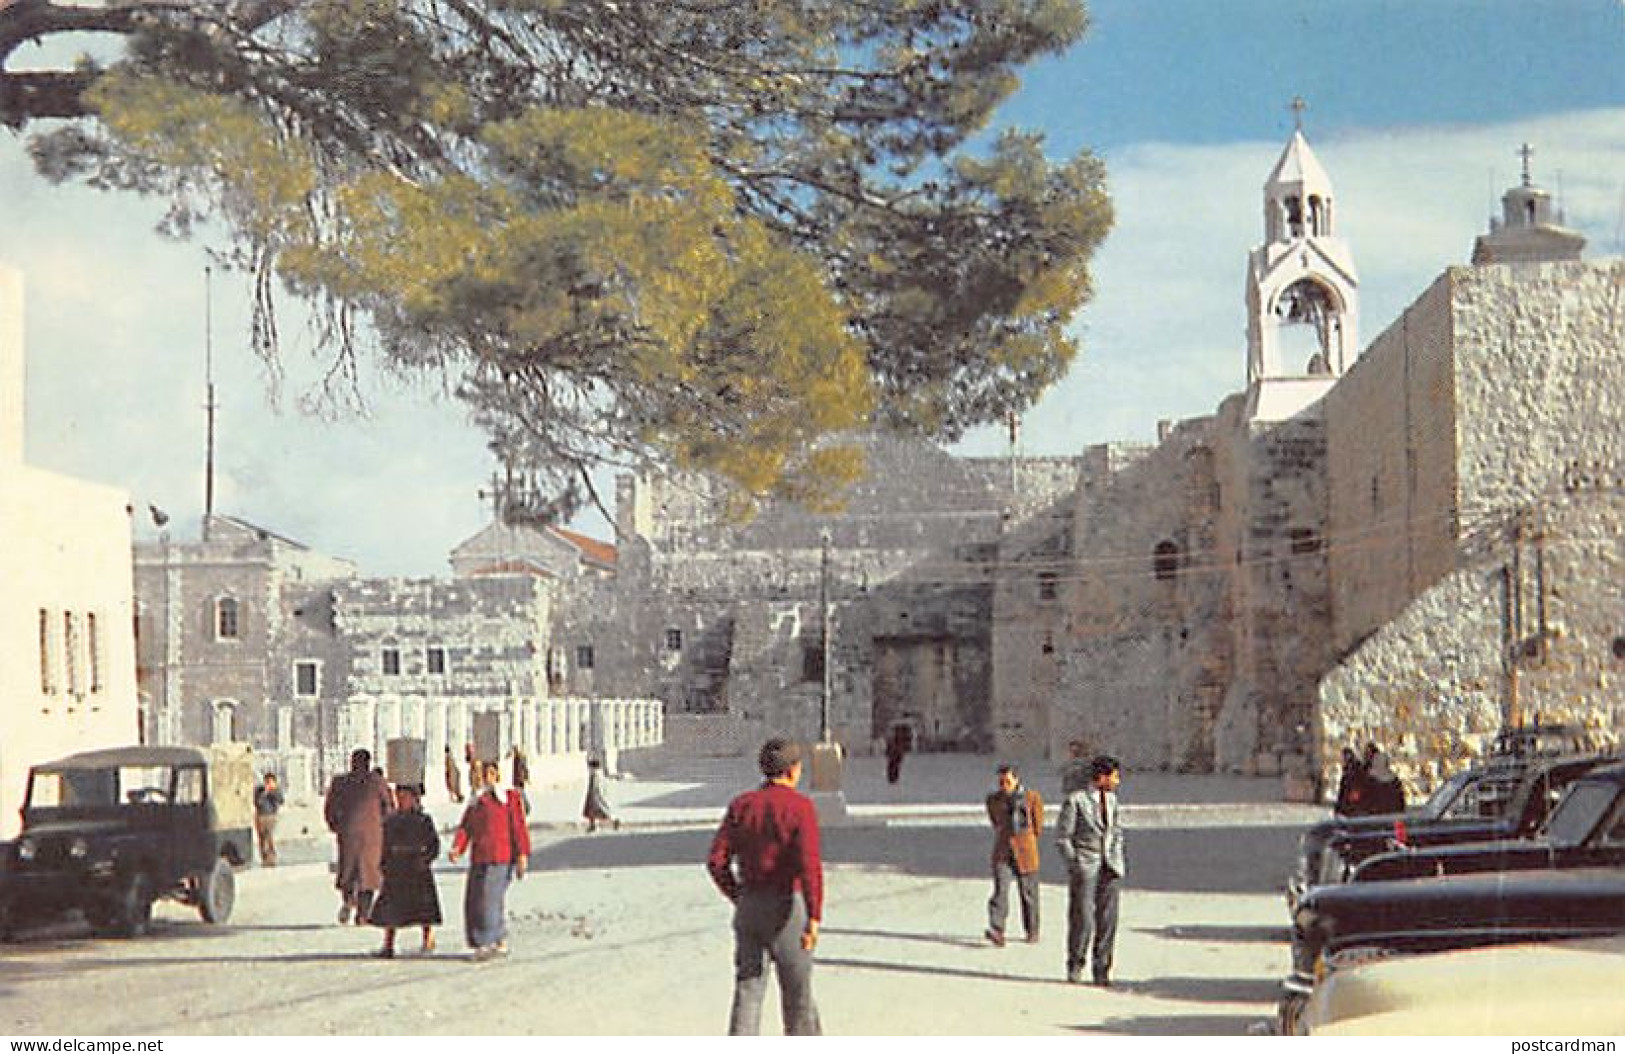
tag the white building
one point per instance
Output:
(67, 644)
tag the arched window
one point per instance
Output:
(227, 624)
(1165, 560)
(223, 727)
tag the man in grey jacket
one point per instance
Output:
(1091, 842)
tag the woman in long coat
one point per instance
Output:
(595, 810)
(409, 897)
(356, 805)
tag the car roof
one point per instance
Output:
(116, 756)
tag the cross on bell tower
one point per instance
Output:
(1302, 290)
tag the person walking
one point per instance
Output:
(521, 774)
(1017, 816)
(496, 837)
(777, 889)
(408, 897)
(595, 809)
(267, 803)
(476, 770)
(1090, 838)
(454, 777)
(896, 750)
(1384, 794)
(356, 805)
(1351, 786)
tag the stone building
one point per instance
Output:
(236, 642)
(1413, 545)
(1182, 617)
(724, 622)
(250, 636)
(1480, 501)
(67, 681)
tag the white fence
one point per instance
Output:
(557, 736)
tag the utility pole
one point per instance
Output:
(209, 404)
(825, 615)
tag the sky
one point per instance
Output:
(1416, 109)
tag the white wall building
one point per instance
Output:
(67, 644)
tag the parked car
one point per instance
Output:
(108, 832)
(1587, 829)
(1506, 800)
(1553, 988)
(1343, 925)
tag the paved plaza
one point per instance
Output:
(620, 932)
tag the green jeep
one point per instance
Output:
(107, 832)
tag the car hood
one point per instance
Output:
(1468, 909)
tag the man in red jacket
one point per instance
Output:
(495, 834)
(778, 892)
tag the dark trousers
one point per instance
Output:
(265, 834)
(998, 905)
(1091, 919)
(768, 925)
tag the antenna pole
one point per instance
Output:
(209, 405)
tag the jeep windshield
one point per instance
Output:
(114, 786)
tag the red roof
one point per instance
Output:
(595, 551)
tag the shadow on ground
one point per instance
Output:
(1199, 1025)
(1248, 859)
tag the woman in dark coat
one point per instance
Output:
(1351, 786)
(409, 897)
(595, 810)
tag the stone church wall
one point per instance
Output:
(1392, 469)
(1525, 546)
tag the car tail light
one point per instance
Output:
(1400, 835)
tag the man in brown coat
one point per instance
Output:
(356, 805)
(1017, 816)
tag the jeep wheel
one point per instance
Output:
(217, 892)
(129, 913)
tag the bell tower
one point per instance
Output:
(1302, 290)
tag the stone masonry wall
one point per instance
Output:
(1529, 621)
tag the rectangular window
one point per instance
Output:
(674, 640)
(48, 678)
(305, 678)
(812, 661)
(1046, 585)
(434, 660)
(70, 653)
(225, 619)
(93, 648)
(392, 662)
(1304, 540)
(584, 656)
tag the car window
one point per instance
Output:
(1580, 812)
(1443, 798)
(67, 790)
(1614, 832)
(189, 787)
(1483, 798)
(144, 784)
